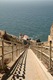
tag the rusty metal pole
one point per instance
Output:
(50, 55)
(2, 54)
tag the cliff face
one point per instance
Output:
(9, 37)
(51, 32)
(2, 33)
(50, 37)
(6, 36)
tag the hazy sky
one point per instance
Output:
(27, 1)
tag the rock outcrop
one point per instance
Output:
(50, 37)
(51, 32)
(2, 33)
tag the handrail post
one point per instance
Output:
(19, 49)
(16, 51)
(2, 54)
(12, 52)
(41, 53)
(50, 56)
(41, 50)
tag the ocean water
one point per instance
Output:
(33, 20)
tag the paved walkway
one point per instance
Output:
(34, 68)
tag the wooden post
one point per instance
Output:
(2, 54)
(16, 51)
(12, 52)
(41, 51)
(19, 50)
(50, 55)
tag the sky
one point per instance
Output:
(28, 1)
(25, 0)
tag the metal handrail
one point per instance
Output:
(13, 50)
(43, 52)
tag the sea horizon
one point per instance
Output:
(31, 19)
